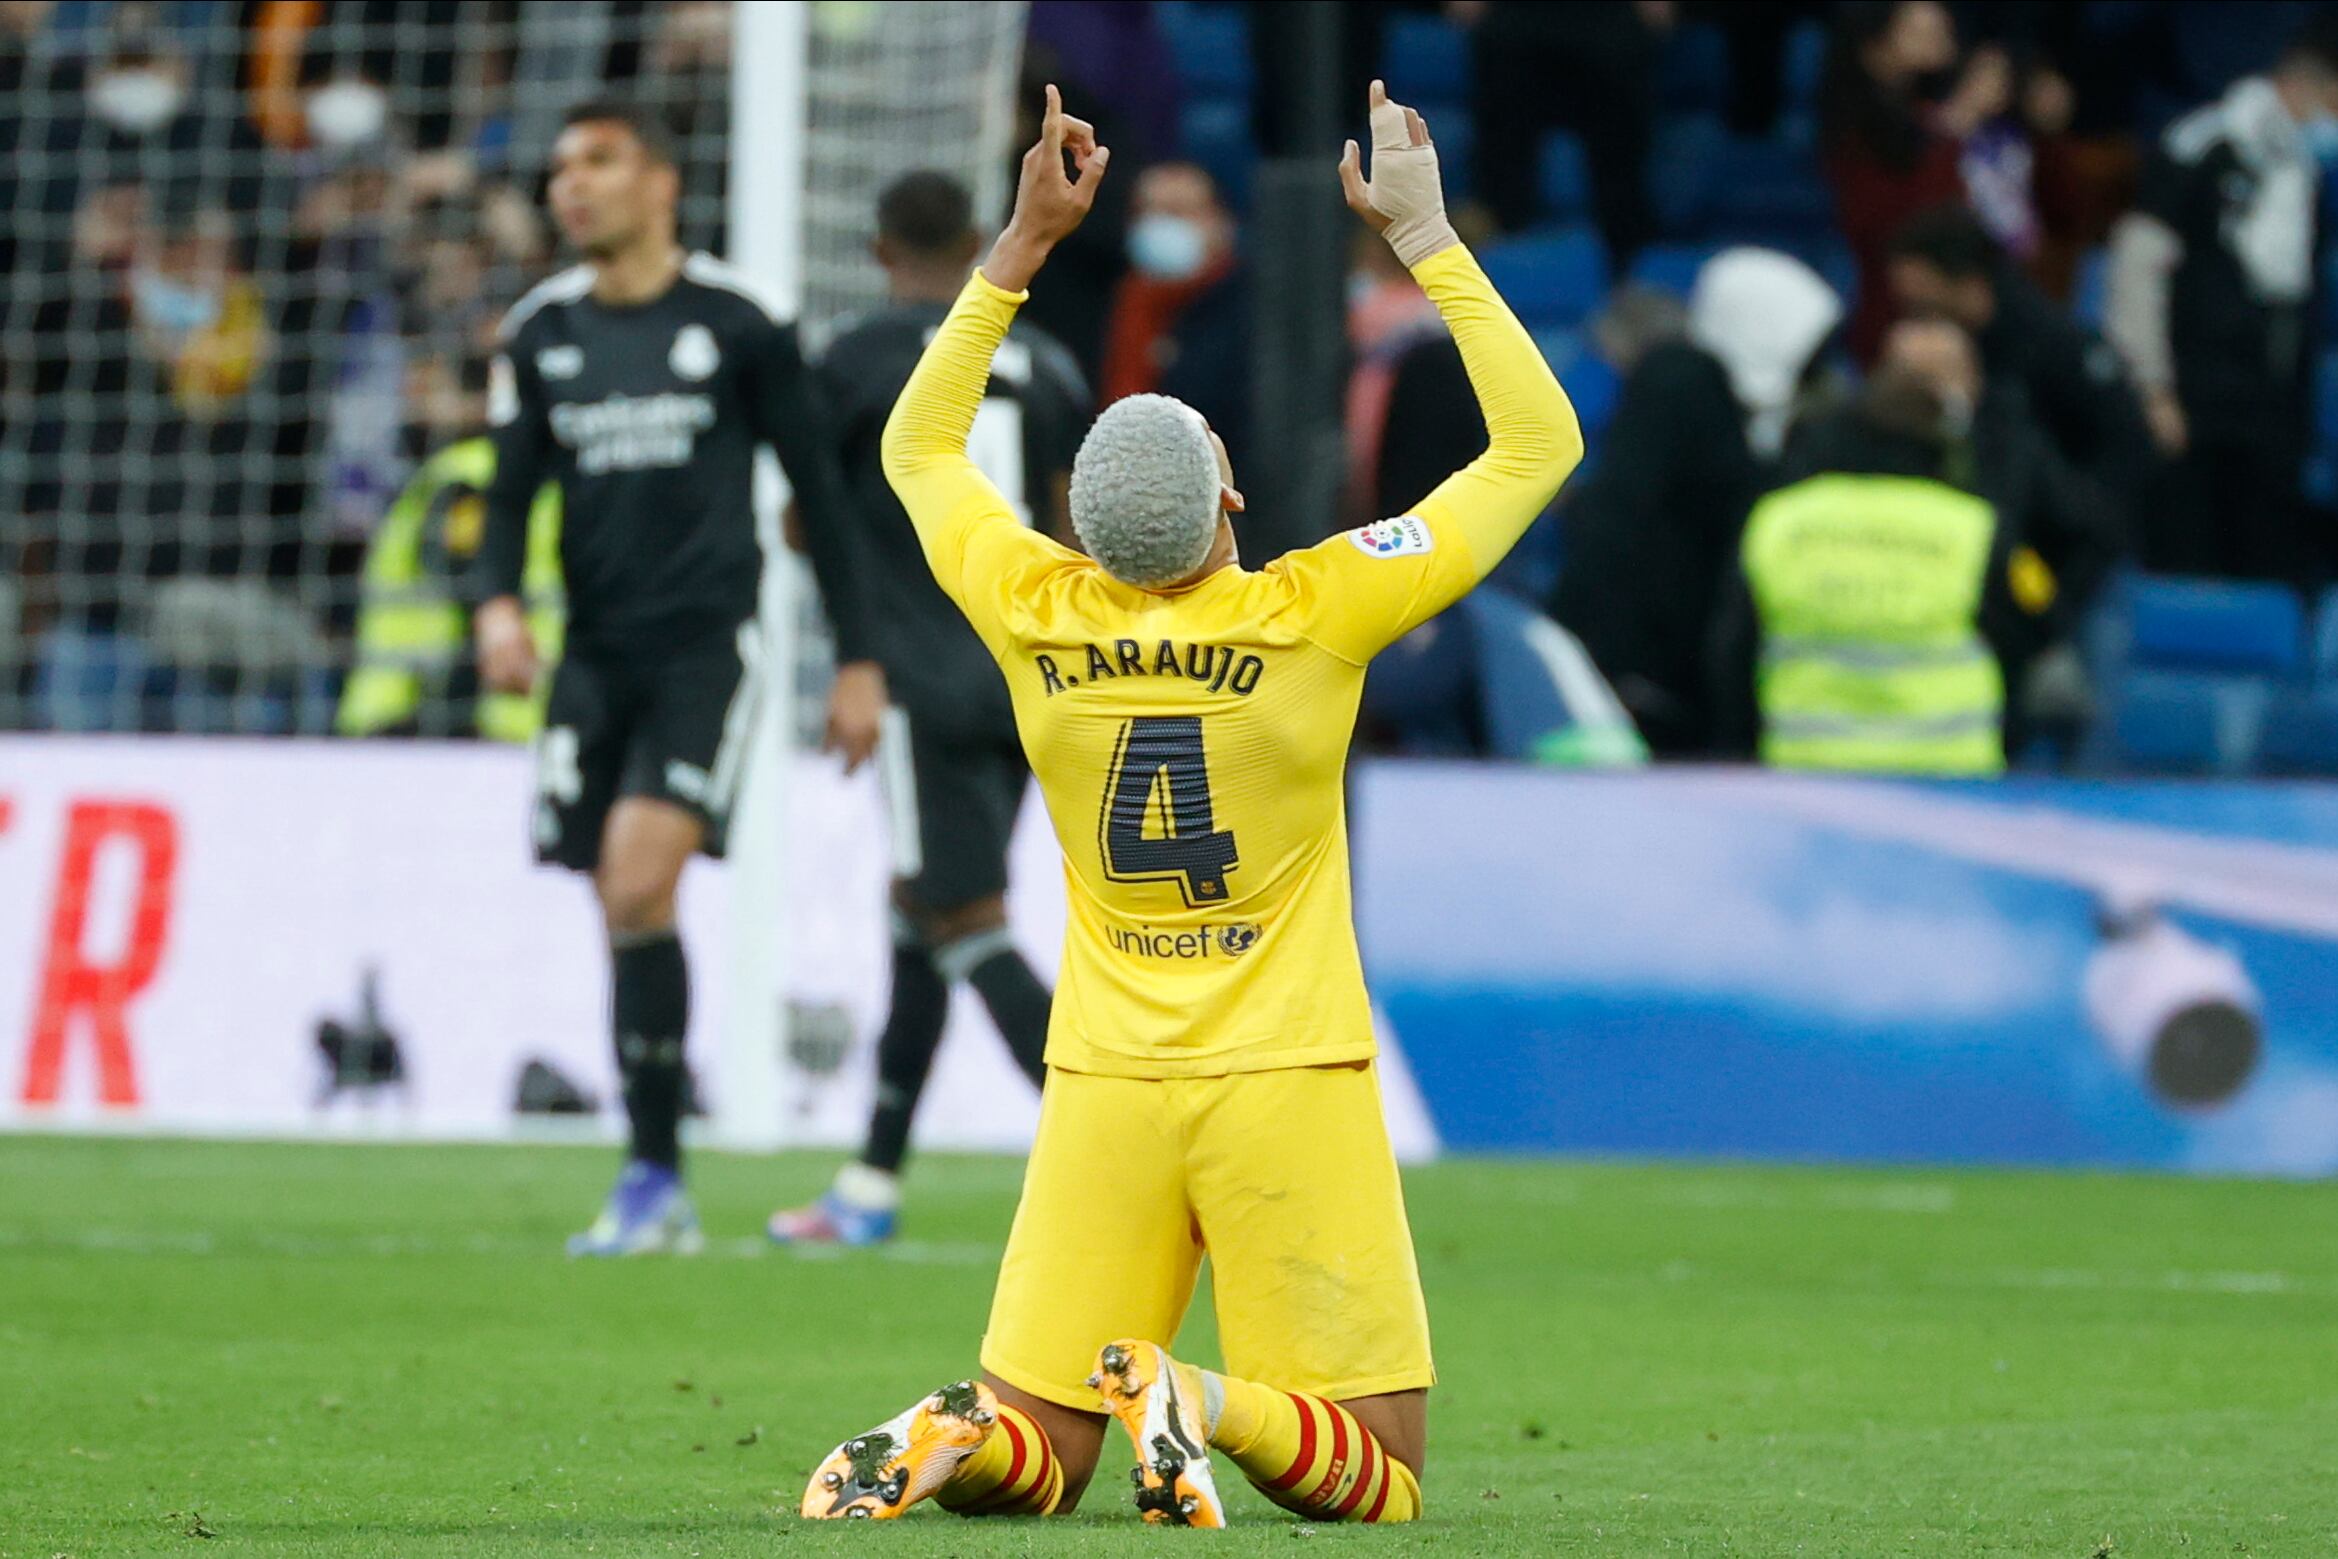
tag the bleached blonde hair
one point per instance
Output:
(1145, 490)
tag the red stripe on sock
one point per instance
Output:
(1016, 1452)
(1046, 1462)
(1368, 1462)
(1388, 1467)
(1004, 1494)
(1339, 1453)
(1306, 1459)
(1031, 1502)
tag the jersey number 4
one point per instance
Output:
(1160, 778)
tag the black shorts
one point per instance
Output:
(676, 725)
(953, 792)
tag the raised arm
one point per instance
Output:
(924, 447)
(1534, 440)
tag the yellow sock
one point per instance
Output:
(1309, 1455)
(1014, 1474)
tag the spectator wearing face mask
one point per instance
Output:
(1945, 265)
(1895, 114)
(146, 124)
(1892, 585)
(2211, 300)
(199, 318)
(1650, 527)
(1180, 318)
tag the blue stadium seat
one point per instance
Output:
(1422, 688)
(1551, 278)
(2180, 722)
(2322, 644)
(2212, 625)
(1693, 76)
(2326, 400)
(1672, 268)
(1804, 63)
(1217, 135)
(2301, 732)
(1682, 165)
(1425, 59)
(1565, 171)
(1769, 192)
(87, 681)
(2090, 286)
(2321, 478)
(1456, 132)
(1593, 385)
(1561, 346)
(1211, 44)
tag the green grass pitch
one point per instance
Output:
(324, 1351)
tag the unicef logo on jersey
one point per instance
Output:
(695, 356)
(1200, 944)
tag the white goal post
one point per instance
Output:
(829, 103)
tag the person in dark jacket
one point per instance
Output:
(1944, 265)
(1895, 112)
(2212, 301)
(1590, 67)
(1928, 415)
(1180, 322)
(1649, 528)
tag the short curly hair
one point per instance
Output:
(1145, 488)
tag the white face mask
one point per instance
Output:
(347, 113)
(1168, 248)
(136, 101)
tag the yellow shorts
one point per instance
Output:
(1284, 1178)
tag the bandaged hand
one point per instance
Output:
(1405, 198)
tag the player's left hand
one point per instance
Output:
(1049, 202)
(856, 712)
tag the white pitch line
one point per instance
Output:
(2170, 1281)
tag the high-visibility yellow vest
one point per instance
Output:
(413, 628)
(1869, 592)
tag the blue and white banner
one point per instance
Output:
(1758, 965)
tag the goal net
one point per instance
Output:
(255, 256)
(255, 259)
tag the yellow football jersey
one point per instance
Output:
(1190, 743)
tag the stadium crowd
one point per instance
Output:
(2066, 258)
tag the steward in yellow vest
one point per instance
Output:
(1896, 581)
(413, 673)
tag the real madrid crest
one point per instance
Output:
(695, 355)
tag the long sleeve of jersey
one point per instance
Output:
(516, 408)
(972, 539)
(1533, 440)
(790, 421)
(1361, 591)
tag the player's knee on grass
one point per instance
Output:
(1076, 1439)
(1399, 1420)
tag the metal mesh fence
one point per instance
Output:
(255, 255)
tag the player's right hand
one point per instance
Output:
(1404, 201)
(507, 653)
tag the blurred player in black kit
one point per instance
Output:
(643, 381)
(952, 764)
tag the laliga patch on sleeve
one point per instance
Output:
(1401, 537)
